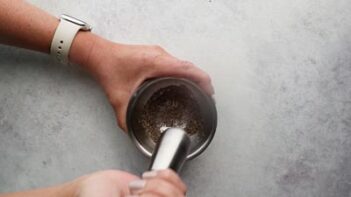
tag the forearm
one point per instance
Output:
(66, 190)
(24, 25)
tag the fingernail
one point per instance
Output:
(163, 128)
(149, 174)
(136, 185)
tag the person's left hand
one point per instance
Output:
(121, 68)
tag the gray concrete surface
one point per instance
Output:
(282, 73)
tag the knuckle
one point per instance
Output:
(185, 189)
(156, 62)
(154, 184)
(119, 121)
(150, 59)
(207, 78)
(158, 48)
(158, 57)
(145, 58)
(114, 100)
(187, 65)
(167, 174)
(111, 174)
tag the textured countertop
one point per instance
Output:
(282, 74)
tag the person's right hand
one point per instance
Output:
(163, 183)
(113, 183)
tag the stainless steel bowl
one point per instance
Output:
(199, 141)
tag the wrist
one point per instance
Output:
(81, 47)
(90, 52)
(70, 189)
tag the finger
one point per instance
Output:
(135, 187)
(190, 71)
(168, 175)
(144, 195)
(162, 187)
(159, 49)
(121, 113)
(203, 79)
(170, 66)
(119, 101)
(121, 110)
(149, 195)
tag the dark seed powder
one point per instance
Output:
(173, 106)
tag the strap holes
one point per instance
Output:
(60, 47)
(61, 41)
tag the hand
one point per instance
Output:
(165, 183)
(120, 69)
(111, 183)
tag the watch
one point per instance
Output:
(64, 35)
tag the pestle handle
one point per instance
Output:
(171, 150)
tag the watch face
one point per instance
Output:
(85, 26)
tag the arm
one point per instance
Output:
(119, 68)
(26, 26)
(66, 190)
(22, 25)
(114, 183)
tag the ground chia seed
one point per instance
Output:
(172, 106)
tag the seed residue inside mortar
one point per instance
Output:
(172, 106)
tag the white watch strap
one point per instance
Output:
(63, 38)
